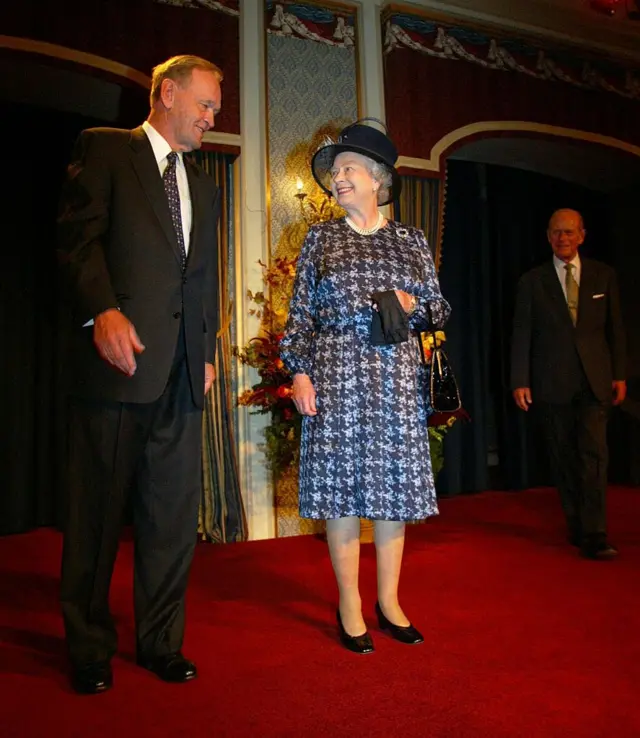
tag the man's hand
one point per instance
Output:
(209, 376)
(619, 391)
(304, 395)
(522, 396)
(116, 340)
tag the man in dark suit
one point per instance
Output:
(568, 360)
(138, 249)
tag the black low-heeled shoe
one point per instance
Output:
(357, 644)
(403, 633)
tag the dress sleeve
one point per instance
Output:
(296, 344)
(431, 305)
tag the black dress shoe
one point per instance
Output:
(403, 633)
(172, 667)
(600, 551)
(357, 644)
(92, 678)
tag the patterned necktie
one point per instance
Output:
(173, 196)
(572, 292)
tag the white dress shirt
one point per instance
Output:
(160, 150)
(562, 272)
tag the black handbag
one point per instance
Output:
(443, 388)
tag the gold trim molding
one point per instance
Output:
(434, 163)
(64, 53)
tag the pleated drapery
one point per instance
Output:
(222, 517)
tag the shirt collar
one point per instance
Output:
(561, 264)
(159, 144)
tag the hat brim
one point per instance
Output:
(323, 161)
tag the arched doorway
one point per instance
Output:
(47, 95)
(502, 185)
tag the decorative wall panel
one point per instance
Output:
(312, 85)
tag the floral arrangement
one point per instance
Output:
(273, 393)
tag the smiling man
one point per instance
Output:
(138, 248)
(568, 363)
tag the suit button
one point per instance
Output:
(184, 280)
(176, 315)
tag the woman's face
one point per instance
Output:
(351, 183)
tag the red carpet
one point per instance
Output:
(523, 638)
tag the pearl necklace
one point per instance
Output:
(366, 231)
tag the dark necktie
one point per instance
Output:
(173, 196)
(572, 292)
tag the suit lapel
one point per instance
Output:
(146, 168)
(193, 176)
(554, 292)
(587, 288)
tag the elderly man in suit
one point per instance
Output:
(568, 361)
(138, 249)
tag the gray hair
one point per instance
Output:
(382, 174)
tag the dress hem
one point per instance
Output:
(411, 519)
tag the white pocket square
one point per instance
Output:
(598, 296)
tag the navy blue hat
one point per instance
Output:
(361, 139)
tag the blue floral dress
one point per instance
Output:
(366, 452)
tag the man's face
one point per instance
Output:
(566, 234)
(195, 106)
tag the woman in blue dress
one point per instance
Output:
(365, 446)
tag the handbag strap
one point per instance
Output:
(431, 329)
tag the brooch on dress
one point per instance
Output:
(403, 232)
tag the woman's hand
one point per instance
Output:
(407, 301)
(304, 395)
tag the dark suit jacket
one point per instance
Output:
(118, 248)
(549, 354)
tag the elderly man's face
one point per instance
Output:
(194, 108)
(566, 234)
(351, 183)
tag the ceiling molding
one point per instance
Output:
(559, 21)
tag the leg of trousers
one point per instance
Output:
(105, 442)
(593, 454)
(576, 438)
(152, 451)
(558, 425)
(165, 510)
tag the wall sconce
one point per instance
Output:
(313, 208)
(300, 194)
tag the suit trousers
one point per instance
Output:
(576, 439)
(153, 452)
